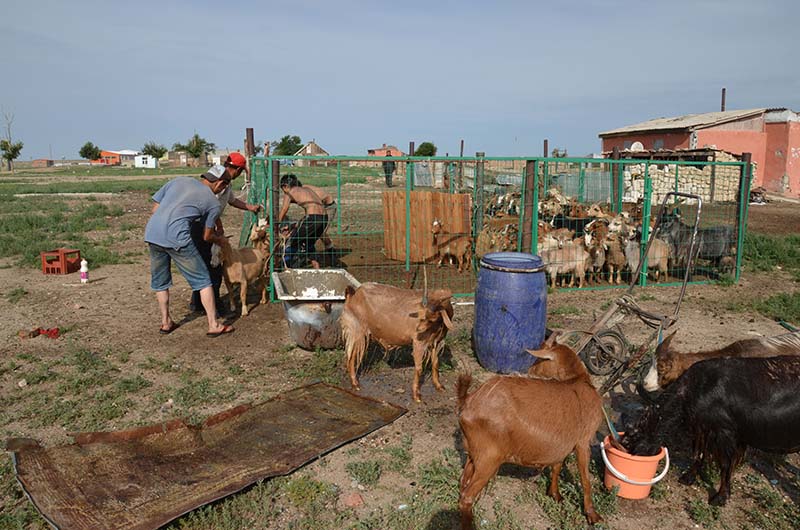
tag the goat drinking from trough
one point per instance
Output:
(530, 421)
(725, 405)
(459, 246)
(668, 365)
(396, 317)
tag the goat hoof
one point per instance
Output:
(440, 388)
(593, 517)
(718, 499)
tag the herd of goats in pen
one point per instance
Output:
(719, 401)
(576, 240)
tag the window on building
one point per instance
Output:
(658, 144)
(627, 144)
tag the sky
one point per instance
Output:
(352, 75)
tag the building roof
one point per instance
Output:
(124, 152)
(689, 122)
(300, 151)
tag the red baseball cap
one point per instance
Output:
(236, 159)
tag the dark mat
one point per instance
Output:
(146, 477)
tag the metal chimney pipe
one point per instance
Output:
(722, 106)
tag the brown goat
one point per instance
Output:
(458, 246)
(396, 317)
(245, 266)
(669, 365)
(530, 421)
(615, 256)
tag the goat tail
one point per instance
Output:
(356, 338)
(462, 389)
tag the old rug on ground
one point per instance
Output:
(146, 477)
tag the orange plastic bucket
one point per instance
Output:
(634, 475)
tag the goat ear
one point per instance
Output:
(551, 339)
(664, 346)
(544, 353)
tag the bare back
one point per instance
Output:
(311, 198)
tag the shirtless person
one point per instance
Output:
(314, 201)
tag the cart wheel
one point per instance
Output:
(605, 351)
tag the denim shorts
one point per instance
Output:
(189, 263)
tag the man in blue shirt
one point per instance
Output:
(177, 204)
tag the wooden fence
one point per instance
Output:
(453, 210)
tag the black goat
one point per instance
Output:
(714, 244)
(726, 405)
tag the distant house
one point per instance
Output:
(145, 161)
(184, 159)
(220, 155)
(123, 157)
(310, 149)
(42, 162)
(772, 135)
(382, 151)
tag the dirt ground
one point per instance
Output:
(115, 316)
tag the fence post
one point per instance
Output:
(615, 181)
(581, 182)
(479, 201)
(410, 166)
(338, 196)
(529, 205)
(741, 211)
(461, 167)
(646, 207)
(273, 197)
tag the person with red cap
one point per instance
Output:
(234, 165)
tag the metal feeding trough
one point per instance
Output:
(313, 300)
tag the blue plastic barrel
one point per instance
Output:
(510, 310)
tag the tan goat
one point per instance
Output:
(571, 258)
(531, 421)
(458, 246)
(245, 266)
(396, 317)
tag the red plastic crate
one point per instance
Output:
(61, 261)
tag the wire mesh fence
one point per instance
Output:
(589, 219)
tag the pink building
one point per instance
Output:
(771, 135)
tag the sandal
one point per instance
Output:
(172, 327)
(225, 330)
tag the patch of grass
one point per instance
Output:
(15, 509)
(15, 295)
(702, 513)
(310, 496)
(44, 226)
(765, 253)
(781, 306)
(200, 392)
(253, 508)
(323, 366)
(94, 186)
(568, 514)
(400, 456)
(133, 384)
(366, 473)
(439, 478)
(645, 297)
(774, 511)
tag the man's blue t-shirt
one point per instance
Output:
(180, 202)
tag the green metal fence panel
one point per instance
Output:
(368, 218)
